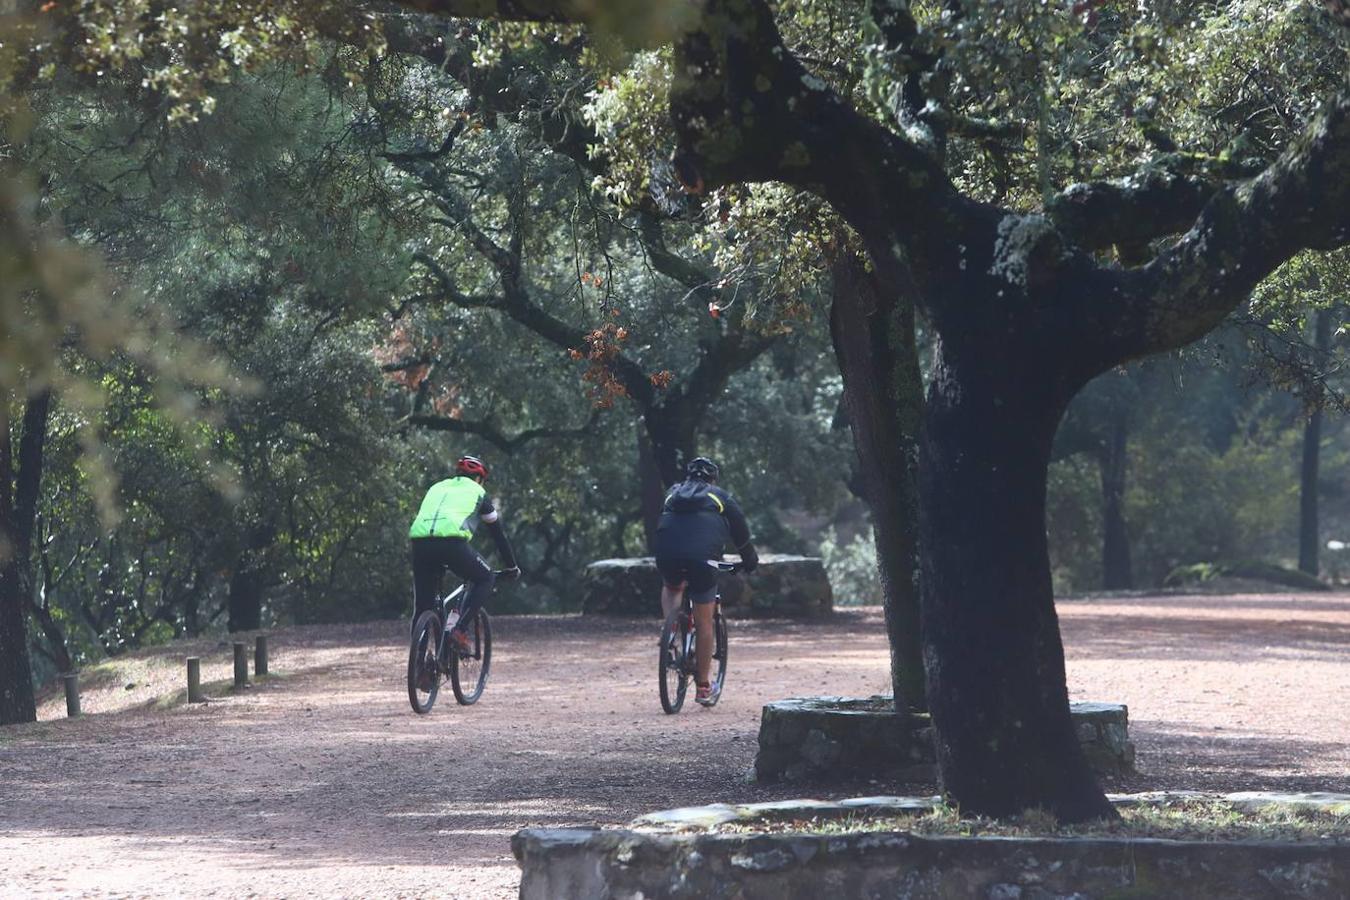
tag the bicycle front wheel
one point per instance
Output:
(424, 674)
(719, 674)
(673, 669)
(469, 671)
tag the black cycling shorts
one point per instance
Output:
(697, 577)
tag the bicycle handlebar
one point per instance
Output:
(722, 565)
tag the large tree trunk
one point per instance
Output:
(19, 492)
(873, 332)
(996, 683)
(59, 651)
(1117, 573)
(673, 437)
(1308, 538)
(245, 599)
(651, 486)
(667, 440)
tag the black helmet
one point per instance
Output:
(702, 468)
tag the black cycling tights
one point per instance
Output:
(431, 556)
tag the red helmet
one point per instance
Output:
(472, 466)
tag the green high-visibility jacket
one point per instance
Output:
(451, 508)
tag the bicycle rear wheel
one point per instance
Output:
(673, 669)
(424, 674)
(469, 672)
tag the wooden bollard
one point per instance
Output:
(240, 665)
(194, 672)
(72, 682)
(260, 655)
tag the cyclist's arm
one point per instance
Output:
(488, 515)
(735, 516)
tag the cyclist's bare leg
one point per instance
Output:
(670, 600)
(703, 621)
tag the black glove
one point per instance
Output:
(749, 558)
(512, 573)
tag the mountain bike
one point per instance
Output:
(679, 638)
(432, 657)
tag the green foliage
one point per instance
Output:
(1203, 818)
(277, 233)
(1212, 472)
(1193, 504)
(272, 230)
(852, 567)
(1073, 520)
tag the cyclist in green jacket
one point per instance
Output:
(440, 537)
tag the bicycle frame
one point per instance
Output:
(455, 600)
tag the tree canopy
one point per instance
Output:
(272, 265)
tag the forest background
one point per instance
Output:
(253, 311)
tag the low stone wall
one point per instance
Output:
(659, 857)
(783, 585)
(820, 739)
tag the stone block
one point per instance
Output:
(783, 585)
(829, 738)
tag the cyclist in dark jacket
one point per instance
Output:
(697, 522)
(440, 534)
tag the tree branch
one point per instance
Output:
(672, 265)
(515, 299)
(1302, 201)
(447, 145)
(1162, 198)
(746, 109)
(556, 11)
(448, 290)
(495, 436)
(733, 352)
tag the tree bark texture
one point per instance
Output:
(20, 484)
(996, 684)
(1117, 572)
(245, 599)
(1309, 539)
(872, 327)
(56, 638)
(651, 486)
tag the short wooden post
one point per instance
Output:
(260, 655)
(72, 682)
(240, 665)
(194, 672)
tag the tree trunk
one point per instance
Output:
(651, 485)
(192, 614)
(245, 600)
(1117, 573)
(668, 437)
(56, 639)
(996, 683)
(873, 332)
(1308, 539)
(672, 436)
(19, 492)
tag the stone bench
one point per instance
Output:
(679, 853)
(783, 585)
(828, 738)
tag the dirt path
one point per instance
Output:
(322, 782)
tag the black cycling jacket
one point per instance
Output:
(698, 520)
